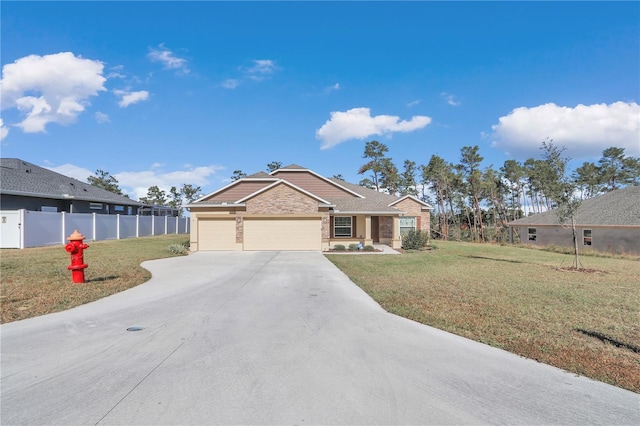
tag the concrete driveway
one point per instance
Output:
(273, 338)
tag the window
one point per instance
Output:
(407, 223)
(118, 208)
(531, 234)
(95, 206)
(586, 237)
(342, 226)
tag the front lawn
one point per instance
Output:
(35, 281)
(517, 299)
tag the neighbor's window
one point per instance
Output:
(95, 206)
(118, 208)
(586, 237)
(407, 223)
(342, 226)
(531, 234)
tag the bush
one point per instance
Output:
(353, 247)
(178, 248)
(339, 247)
(415, 240)
(369, 248)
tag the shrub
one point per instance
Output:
(339, 247)
(178, 248)
(415, 240)
(369, 248)
(353, 247)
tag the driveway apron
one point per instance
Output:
(273, 338)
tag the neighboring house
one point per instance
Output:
(294, 208)
(609, 222)
(26, 186)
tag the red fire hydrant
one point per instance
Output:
(75, 248)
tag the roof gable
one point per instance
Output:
(289, 184)
(237, 190)
(313, 182)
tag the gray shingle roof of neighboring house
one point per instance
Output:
(18, 177)
(620, 207)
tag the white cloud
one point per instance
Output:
(129, 98)
(231, 83)
(451, 99)
(101, 117)
(357, 123)
(136, 184)
(413, 103)
(73, 171)
(168, 59)
(50, 89)
(585, 131)
(4, 131)
(332, 88)
(260, 69)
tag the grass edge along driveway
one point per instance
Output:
(512, 298)
(517, 299)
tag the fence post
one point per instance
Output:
(93, 216)
(177, 224)
(22, 227)
(166, 223)
(64, 226)
(117, 226)
(137, 226)
(153, 224)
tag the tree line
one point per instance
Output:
(475, 203)
(175, 198)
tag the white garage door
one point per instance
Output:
(302, 233)
(216, 234)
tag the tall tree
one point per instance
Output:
(408, 183)
(513, 172)
(190, 193)
(155, 196)
(273, 166)
(435, 174)
(106, 181)
(237, 174)
(587, 178)
(470, 165)
(375, 152)
(389, 177)
(553, 169)
(617, 170)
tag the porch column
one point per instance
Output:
(368, 241)
(396, 243)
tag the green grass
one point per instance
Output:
(517, 299)
(35, 281)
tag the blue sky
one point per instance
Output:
(166, 93)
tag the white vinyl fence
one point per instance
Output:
(24, 228)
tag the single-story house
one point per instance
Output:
(294, 208)
(24, 185)
(609, 222)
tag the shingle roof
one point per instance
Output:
(260, 175)
(373, 201)
(616, 208)
(23, 178)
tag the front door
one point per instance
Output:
(375, 229)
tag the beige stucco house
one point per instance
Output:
(294, 208)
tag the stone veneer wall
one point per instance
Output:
(411, 208)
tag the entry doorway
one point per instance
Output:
(375, 229)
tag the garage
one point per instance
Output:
(217, 234)
(299, 233)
